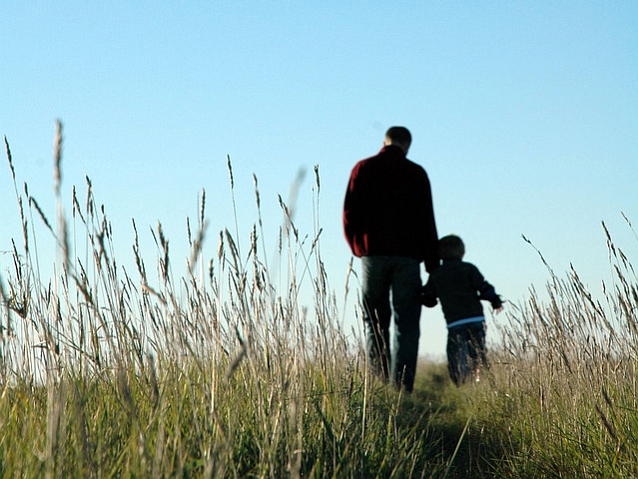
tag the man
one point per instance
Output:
(388, 221)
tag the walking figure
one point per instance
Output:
(460, 287)
(388, 221)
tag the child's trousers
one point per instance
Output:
(466, 351)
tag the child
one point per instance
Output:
(460, 286)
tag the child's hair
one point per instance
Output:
(451, 247)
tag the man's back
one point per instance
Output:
(388, 208)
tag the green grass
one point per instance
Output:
(106, 373)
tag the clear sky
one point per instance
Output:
(524, 114)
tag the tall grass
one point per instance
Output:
(107, 372)
(223, 372)
(563, 394)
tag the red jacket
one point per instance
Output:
(388, 209)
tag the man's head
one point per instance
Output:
(399, 136)
(451, 247)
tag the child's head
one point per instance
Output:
(451, 247)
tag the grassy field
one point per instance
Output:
(223, 373)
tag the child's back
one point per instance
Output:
(460, 287)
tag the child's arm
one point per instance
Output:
(488, 293)
(486, 290)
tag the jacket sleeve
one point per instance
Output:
(352, 214)
(431, 237)
(485, 290)
(488, 293)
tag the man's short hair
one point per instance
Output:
(399, 135)
(451, 247)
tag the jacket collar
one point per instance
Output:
(394, 150)
(452, 260)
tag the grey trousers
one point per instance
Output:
(391, 288)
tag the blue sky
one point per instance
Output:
(524, 114)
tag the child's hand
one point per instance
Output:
(497, 304)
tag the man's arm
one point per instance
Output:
(430, 235)
(352, 213)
